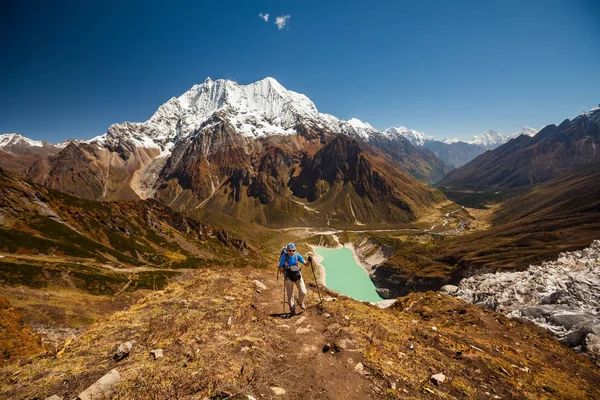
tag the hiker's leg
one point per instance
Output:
(301, 291)
(289, 291)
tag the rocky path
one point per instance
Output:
(315, 360)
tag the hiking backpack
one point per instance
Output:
(292, 273)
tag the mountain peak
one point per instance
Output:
(488, 138)
(414, 137)
(12, 139)
(357, 123)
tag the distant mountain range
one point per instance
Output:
(529, 160)
(242, 150)
(455, 152)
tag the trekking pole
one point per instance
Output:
(284, 293)
(316, 282)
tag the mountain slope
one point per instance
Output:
(416, 161)
(45, 234)
(222, 338)
(18, 153)
(214, 133)
(526, 161)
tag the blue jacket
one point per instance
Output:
(291, 260)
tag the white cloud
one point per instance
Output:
(282, 21)
(264, 16)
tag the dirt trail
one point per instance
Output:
(302, 369)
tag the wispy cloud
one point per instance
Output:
(282, 21)
(264, 16)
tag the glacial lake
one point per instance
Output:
(345, 276)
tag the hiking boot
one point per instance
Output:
(292, 310)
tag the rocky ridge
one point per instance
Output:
(561, 296)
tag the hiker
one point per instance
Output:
(292, 274)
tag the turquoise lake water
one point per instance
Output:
(343, 275)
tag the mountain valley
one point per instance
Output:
(164, 234)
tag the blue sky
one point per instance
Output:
(447, 68)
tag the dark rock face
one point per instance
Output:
(391, 282)
(341, 161)
(71, 170)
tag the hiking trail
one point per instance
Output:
(303, 369)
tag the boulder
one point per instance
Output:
(156, 353)
(123, 350)
(103, 387)
(592, 345)
(449, 289)
(334, 329)
(278, 391)
(438, 379)
(359, 367)
(259, 285)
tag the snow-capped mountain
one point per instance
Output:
(17, 141)
(255, 110)
(523, 131)
(221, 142)
(415, 137)
(451, 140)
(488, 138)
(14, 139)
(19, 152)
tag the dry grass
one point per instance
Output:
(188, 321)
(207, 357)
(481, 352)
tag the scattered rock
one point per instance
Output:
(123, 350)
(449, 289)
(284, 326)
(345, 344)
(300, 320)
(278, 391)
(326, 315)
(309, 348)
(229, 298)
(385, 303)
(359, 367)
(229, 321)
(330, 299)
(326, 348)
(301, 331)
(433, 328)
(103, 387)
(251, 397)
(411, 347)
(156, 353)
(259, 285)
(53, 397)
(334, 329)
(438, 379)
